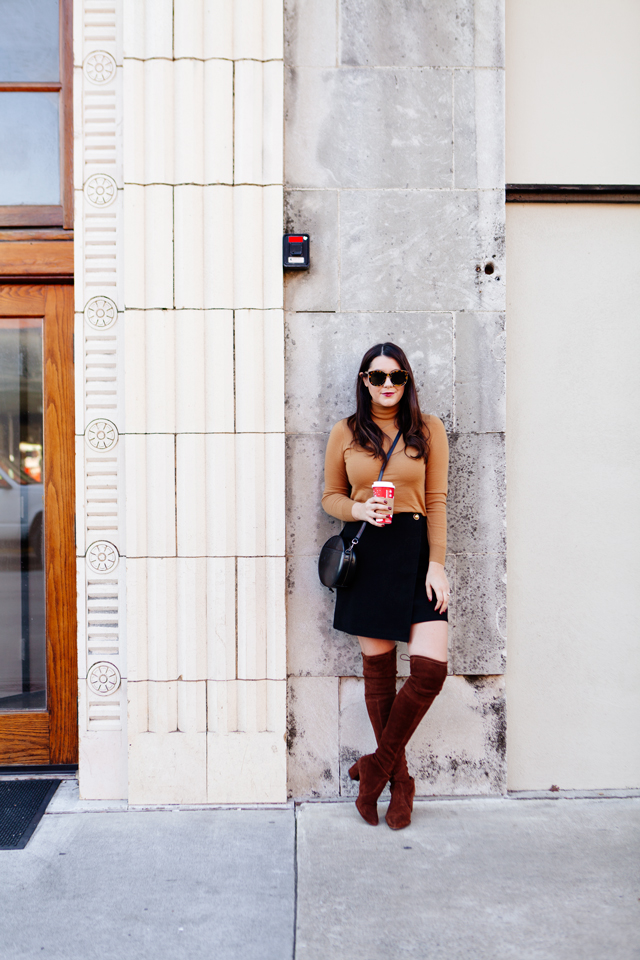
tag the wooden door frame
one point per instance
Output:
(51, 736)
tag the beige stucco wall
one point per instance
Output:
(573, 86)
(573, 464)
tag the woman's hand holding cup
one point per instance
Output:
(373, 510)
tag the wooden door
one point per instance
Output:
(38, 685)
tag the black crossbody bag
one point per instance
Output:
(337, 562)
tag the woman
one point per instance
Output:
(400, 592)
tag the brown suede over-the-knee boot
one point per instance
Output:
(379, 674)
(409, 707)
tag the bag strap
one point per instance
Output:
(382, 470)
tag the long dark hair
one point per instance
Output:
(368, 434)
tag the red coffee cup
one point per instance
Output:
(386, 490)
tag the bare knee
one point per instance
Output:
(371, 646)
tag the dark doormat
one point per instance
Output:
(22, 803)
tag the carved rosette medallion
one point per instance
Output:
(100, 313)
(100, 190)
(104, 678)
(100, 67)
(101, 435)
(102, 557)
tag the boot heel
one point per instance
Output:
(354, 773)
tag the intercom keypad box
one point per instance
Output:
(295, 251)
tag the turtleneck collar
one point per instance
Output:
(388, 414)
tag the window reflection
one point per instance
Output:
(29, 40)
(29, 148)
(22, 591)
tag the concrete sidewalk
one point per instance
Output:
(487, 878)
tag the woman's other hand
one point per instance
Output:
(437, 583)
(373, 510)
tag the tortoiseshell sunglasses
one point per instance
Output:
(377, 378)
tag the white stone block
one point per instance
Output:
(272, 293)
(250, 370)
(248, 30)
(191, 495)
(275, 485)
(248, 257)
(219, 248)
(249, 707)
(159, 133)
(222, 506)
(217, 34)
(313, 737)
(148, 29)
(134, 245)
(162, 625)
(252, 486)
(190, 371)
(162, 700)
(161, 511)
(136, 620)
(102, 755)
(219, 364)
(222, 706)
(261, 618)
(188, 33)
(274, 337)
(272, 30)
(150, 492)
(169, 768)
(189, 246)
(259, 339)
(192, 619)
(158, 246)
(252, 620)
(247, 768)
(260, 494)
(134, 373)
(221, 618)
(192, 707)
(218, 128)
(272, 122)
(190, 120)
(248, 125)
(133, 116)
(136, 495)
(159, 371)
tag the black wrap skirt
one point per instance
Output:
(388, 593)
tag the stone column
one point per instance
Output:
(203, 387)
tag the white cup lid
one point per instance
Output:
(383, 483)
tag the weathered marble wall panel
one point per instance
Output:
(394, 166)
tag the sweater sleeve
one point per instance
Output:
(436, 490)
(335, 499)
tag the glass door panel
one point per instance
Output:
(38, 656)
(22, 587)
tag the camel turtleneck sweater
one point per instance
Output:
(349, 472)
